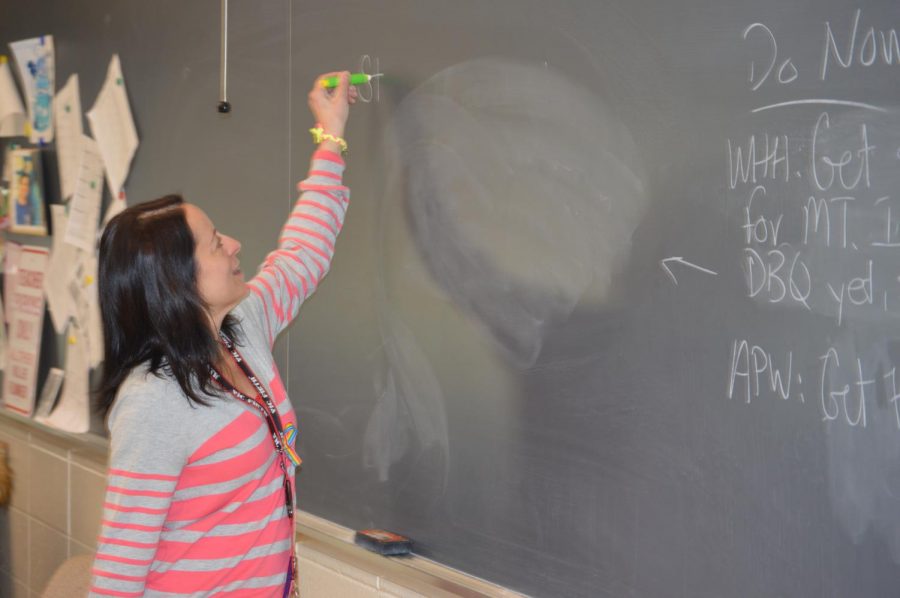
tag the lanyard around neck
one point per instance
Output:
(269, 413)
(269, 409)
(282, 437)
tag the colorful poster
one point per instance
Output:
(34, 59)
(26, 193)
(6, 179)
(26, 315)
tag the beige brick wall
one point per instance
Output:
(56, 506)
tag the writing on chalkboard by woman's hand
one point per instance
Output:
(330, 107)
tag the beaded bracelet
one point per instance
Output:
(319, 135)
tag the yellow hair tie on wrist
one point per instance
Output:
(319, 135)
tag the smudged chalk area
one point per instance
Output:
(523, 192)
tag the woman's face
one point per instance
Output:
(219, 276)
(23, 190)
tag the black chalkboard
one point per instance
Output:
(614, 311)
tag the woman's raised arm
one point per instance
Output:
(292, 272)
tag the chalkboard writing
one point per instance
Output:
(614, 310)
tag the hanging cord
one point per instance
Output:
(224, 105)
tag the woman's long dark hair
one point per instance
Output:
(151, 307)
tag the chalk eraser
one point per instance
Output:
(383, 542)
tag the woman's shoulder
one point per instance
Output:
(152, 413)
(152, 398)
(141, 380)
(250, 336)
(250, 316)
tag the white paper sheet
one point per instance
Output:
(49, 392)
(89, 317)
(72, 413)
(69, 132)
(12, 112)
(95, 331)
(11, 268)
(113, 127)
(26, 315)
(60, 272)
(34, 59)
(84, 209)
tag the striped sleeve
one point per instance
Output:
(292, 272)
(146, 458)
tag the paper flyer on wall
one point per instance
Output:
(49, 393)
(72, 412)
(67, 114)
(12, 112)
(84, 209)
(95, 321)
(88, 307)
(34, 61)
(26, 316)
(61, 271)
(95, 318)
(113, 127)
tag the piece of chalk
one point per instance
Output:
(355, 79)
(383, 542)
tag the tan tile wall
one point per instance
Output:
(54, 512)
(56, 506)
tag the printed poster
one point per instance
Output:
(26, 211)
(34, 59)
(26, 316)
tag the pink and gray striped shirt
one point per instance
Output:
(194, 504)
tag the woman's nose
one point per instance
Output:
(234, 246)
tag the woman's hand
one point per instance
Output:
(330, 107)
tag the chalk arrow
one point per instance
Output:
(681, 260)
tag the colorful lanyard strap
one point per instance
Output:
(282, 438)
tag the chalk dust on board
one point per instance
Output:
(409, 414)
(523, 192)
(863, 455)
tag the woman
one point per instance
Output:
(199, 499)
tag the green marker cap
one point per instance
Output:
(355, 79)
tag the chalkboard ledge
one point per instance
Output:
(323, 542)
(331, 546)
